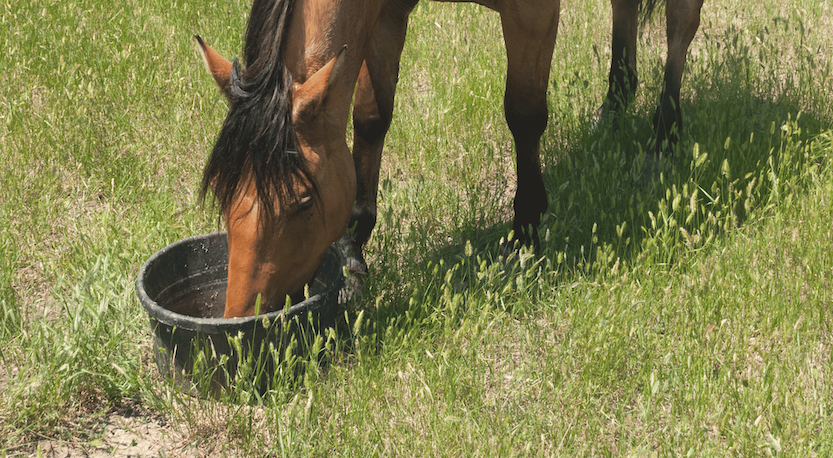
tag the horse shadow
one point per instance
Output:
(602, 185)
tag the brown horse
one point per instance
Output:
(281, 170)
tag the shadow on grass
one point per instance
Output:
(612, 205)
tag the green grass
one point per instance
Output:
(684, 311)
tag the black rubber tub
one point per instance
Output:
(183, 288)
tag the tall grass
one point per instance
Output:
(679, 306)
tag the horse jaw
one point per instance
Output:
(217, 65)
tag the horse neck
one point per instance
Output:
(319, 30)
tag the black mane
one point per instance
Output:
(258, 135)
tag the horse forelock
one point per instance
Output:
(257, 138)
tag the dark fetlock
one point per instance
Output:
(525, 236)
(668, 122)
(355, 270)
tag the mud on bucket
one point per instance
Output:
(183, 288)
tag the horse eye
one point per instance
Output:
(304, 204)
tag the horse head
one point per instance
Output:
(274, 252)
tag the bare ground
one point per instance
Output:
(123, 435)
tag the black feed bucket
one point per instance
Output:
(183, 288)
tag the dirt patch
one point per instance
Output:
(126, 435)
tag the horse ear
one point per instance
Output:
(217, 65)
(310, 96)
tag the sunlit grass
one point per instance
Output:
(678, 306)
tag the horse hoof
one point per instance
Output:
(353, 289)
(355, 269)
(513, 246)
(604, 119)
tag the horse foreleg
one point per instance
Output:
(683, 20)
(529, 30)
(372, 115)
(622, 81)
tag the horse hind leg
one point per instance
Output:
(372, 115)
(622, 80)
(529, 32)
(683, 20)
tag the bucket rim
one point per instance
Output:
(225, 325)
